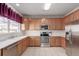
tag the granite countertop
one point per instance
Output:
(8, 42)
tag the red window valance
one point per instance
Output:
(9, 13)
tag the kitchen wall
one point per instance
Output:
(56, 26)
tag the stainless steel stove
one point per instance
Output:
(44, 39)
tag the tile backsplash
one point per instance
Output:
(52, 32)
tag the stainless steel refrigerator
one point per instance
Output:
(72, 40)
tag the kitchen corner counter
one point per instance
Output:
(8, 42)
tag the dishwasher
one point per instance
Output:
(10, 50)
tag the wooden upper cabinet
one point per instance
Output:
(59, 24)
(55, 24)
(31, 27)
(35, 24)
(51, 24)
(65, 20)
(76, 15)
(51, 27)
(71, 19)
(68, 19)
(25, 24)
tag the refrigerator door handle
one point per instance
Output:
(70, 37)
(70, 41)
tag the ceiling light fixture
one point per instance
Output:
(47, 6)
(43, 19)
(17, 4)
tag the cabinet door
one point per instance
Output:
(63, 27)
(58, 27)
(71, 18)
(31, 42)
(51, 24)
(37, 42)
(51, 27)
(31, 26)
(26, 22)
(76, 15)
(19, 48)
(62, 24)
(24, 44)
(58, 41)
(27, 42)
(55, 42)
(52, 42)
(63, 42)
(58, 24)
(10, 50)
(67, 20)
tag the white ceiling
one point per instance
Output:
(37, 9)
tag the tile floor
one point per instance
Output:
(44, 51)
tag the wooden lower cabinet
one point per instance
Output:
(52, 42)
(63, 42)
(0, 52)
(10, 50)
(22, 45)
(35, 41)
(16, 48)
(19, 48)
(57, 42)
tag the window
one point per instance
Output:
(3, 25)
(8, 25)
(23, 26)
(14, 26)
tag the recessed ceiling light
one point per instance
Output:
(17, 4)
(47, 6)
